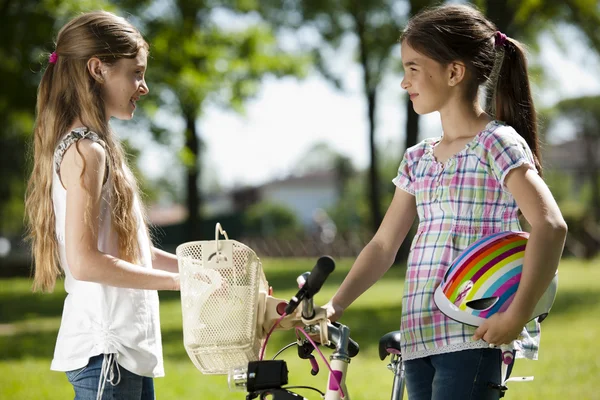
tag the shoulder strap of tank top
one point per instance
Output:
(68, 140)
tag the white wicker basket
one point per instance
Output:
(222, 288)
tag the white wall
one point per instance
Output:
(303, 200)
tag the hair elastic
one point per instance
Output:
(500, 39)
(53, 58)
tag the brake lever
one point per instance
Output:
(305, 349)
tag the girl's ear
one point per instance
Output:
(456, 73)
(96, 69)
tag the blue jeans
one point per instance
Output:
(460, 375)
(130, 386)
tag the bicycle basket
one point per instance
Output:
(222, 282)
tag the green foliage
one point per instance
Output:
(583, 112)
(27, 31)
(561, 185)
(351, 214)
(207, 54)
(199, 61)
(29, 28)
(374, 27)
(194, 62)
(271, 220)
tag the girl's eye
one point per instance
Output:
(413, 69)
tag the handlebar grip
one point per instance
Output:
(325, 266)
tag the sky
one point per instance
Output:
(289, 116)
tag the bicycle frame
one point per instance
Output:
(397, 367)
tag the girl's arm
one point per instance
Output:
(86, 262)
(542, 254)
(378, 255)
(164, 260)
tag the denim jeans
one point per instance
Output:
(460, 375)
(129, 387)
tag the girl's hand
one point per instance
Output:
(501, 328)
(334, 311)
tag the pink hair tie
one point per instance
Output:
(500, 39)
(53, 58)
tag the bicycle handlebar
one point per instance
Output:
(324, 266)
(335, 335)
(273, 374)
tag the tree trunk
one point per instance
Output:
(412, 136)
(412, 126)
(193, 172)
(412, 118)
(591, 144)
(370, 85)
(501, 14)
(374, 198)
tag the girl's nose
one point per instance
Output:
(404, 84)
(144, 90)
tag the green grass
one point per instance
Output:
(568, 368)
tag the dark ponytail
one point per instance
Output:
(513, 103)
(459, 32)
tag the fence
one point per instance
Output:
(308, 246)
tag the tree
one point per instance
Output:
(525, 20)
(584, 115)
(581, 206)
(192, 58)
(196, 62)
(271, 220)
(375, 27)
(28, 30)
(412, 118)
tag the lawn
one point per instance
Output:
(568, 368)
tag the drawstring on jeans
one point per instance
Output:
(107, 373)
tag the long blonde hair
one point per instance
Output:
(67, 91)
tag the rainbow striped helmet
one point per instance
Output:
(484, 278)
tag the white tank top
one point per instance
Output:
(100, 319)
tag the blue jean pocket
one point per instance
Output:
(94, 364)
(72, 375)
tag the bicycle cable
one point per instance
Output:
(305, 387)
(332, 374)
(283, 349)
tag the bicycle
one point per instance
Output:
(268, 377)
(225, 294)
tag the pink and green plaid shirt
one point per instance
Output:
(458, 202)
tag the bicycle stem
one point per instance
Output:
(340, 360)
(339, 367)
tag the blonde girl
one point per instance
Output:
(85, 217)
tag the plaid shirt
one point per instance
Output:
(458, 202)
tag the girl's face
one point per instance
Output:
(425, 80)
(124, 85)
